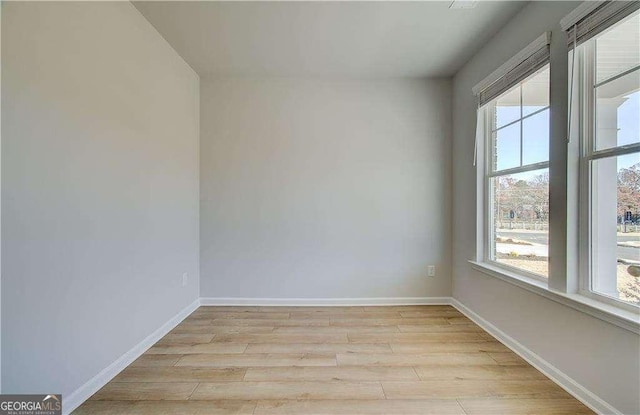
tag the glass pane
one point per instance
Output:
(508, 107)
(617, 112)
(507, 150)
(535, 138)
(615, 227)
(535, 92)
(618, 49)
(521, 221)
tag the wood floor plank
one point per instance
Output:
(251, 315)
(413, 337)
(185, 338)
(195, 329)
(516, 406)
(282, 322)
(460, 320)
(282, 338)
(145, 391)
(508, 358)
(340, 329)
(422, 308)
(288, 390)
(466, 347)
(210, 328)
(448, 328)
(318, 348)
(197, 320)
(488, 337)
(166, 408)
(179, 374)
(235, 308)
(241, 329)
(91, 407)
(431, 313)
(457, 389)
(200, 348)
(151, 360)
(449, 371)
(290, 309)
(392, 359)
(359, 322)
(330, 374)
(345, 314)
(361, 407)
(256, 360)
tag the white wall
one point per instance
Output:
(325, 189)
(0, 203)
(602, 357)
(99, 189)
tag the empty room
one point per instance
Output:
(320, 207)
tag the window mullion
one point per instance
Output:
(536, 112)
(614, 152)
(521, 123)
(618, 76)
(522, 169)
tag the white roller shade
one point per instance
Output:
(515, 70)
(591, 18)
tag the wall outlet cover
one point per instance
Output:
(431, 271)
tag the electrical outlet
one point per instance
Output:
(185, 279)
(431, 271)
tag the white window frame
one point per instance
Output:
(585, 70)
(488, 174)
(563, 285)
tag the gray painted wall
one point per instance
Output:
(325, 189)
(0, 203)
(99, 189)
(602, 357)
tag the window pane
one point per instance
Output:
(508, 107)
(618, 49)
(615, 228)
(535, 138)
(617, 112)
(507, 147)
(535, 92)
(521, 220)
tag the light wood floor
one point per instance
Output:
(330, 360)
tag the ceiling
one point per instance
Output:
(326, 39)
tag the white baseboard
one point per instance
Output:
(581, 393)
(565, 382)
(322, 302)
(84, 392)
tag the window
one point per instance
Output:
(609, 105)
(517, 176)
(512, 154)
(595, 187)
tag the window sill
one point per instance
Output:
(622, 318)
